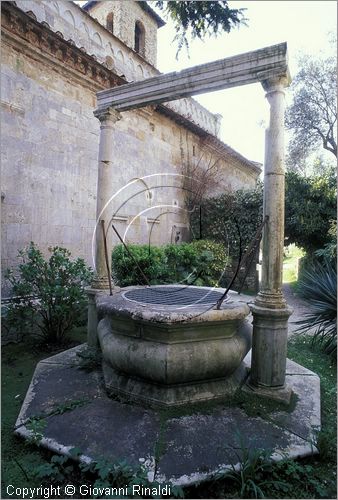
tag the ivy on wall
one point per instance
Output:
(221, 218)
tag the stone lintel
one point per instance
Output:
(243, 69)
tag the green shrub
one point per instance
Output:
(218, 216)
(180, 263)
(329, 251)
(310, 210)
(319, 287)
(150, 260)
(197, 263)
(49, 292)
(213, 261)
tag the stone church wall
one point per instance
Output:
(50, 141)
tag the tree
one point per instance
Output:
(312, 115)
(310, 209)
(200, 19)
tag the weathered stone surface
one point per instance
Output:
(243, 69)
(269, 346)
(156, 395)
(305, 418)
(124, 429)
(172, 355)
(234, 309)
(124, 19)
(92, 38)
(209, 451)
(45, 398)
(270, 311)
(50, 139)
(190, 448)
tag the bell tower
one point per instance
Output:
(134, 23)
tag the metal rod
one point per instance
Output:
(242, 260)
(248, 267)
(106, 257)
(221, 300)
(201, 235)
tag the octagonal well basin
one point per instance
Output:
(169, 345)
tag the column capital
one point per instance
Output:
(107, 114)
(276, 83)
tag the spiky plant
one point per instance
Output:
(319, 287)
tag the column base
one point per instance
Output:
(279, 394)
(270, 300)
(269, 349)
(101, 284)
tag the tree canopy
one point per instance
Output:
(200, 19)
(312, 116)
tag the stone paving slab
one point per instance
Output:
(109, 429)
(201, 445)
(304, 420)
(69, 357)
(187, 448)
(56, 384)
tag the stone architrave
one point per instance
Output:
(234, 71)
(108, 117)
(270, 310)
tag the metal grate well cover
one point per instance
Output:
(173, 296)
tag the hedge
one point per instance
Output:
(198, 263)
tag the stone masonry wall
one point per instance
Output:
(49, 149)
(49, 145)
(68, 20)
(125, 16)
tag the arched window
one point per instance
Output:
(139, 38)
(110, 22)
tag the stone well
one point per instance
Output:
(168, 345)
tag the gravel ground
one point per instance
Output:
(299, 306)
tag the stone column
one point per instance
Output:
(108, 117)
(270, 311)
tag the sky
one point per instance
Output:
(304, 25)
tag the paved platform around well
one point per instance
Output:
(190, 448)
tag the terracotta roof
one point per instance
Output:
(88, 6)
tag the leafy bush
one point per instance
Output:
(310, 210)
(199, 263)
(218, 216)
(50, 290)
(150, 260)
(329, 251)
(319, 287)
(213, 261)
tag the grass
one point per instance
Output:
(18, 364)
(314, 477)
(290, 265)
